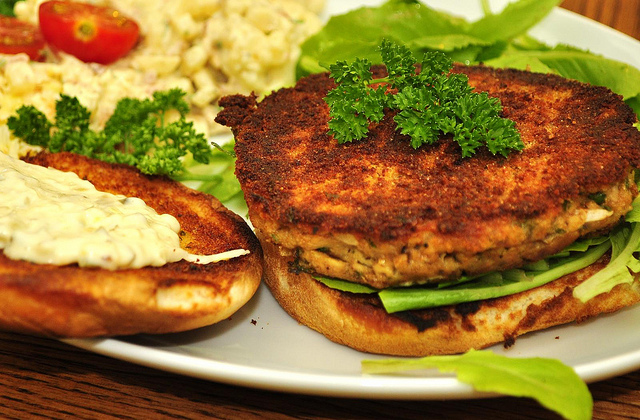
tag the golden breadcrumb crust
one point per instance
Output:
(376, 211)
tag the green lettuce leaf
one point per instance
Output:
(515, 19)
(626, 242)
(548, 381)
(498, 40)
(634, 103)
(421, 28)
(345, 286)
(216, 177)
(486, 287)
(584, 66)
(358, 33)
(445, 43)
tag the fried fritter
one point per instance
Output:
(379, 212)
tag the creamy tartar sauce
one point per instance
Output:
(52, 217)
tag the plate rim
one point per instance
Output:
(361, 386)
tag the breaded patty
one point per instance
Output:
(379, 212)
(71, 301)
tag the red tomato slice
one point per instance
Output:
(17, 36)
(91, 33)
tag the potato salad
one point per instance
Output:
(208, 48)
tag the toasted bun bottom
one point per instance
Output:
(69, 301)
(360, 321)
(62, 302)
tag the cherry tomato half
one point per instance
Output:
(17, 36)
(91, 33)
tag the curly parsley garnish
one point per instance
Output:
(430, 102)
(137, 133)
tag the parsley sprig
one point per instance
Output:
(138, 132)
(429, 102)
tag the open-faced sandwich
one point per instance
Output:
(97, 249)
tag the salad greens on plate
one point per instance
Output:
(497, 39)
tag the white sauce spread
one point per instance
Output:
(53, 217)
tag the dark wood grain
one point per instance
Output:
(43, 378)
(623, 15)
(46, 378)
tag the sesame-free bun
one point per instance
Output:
(70, 301)
(359, 320)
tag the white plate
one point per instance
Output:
(262, 347)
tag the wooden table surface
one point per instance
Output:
(49, 379)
